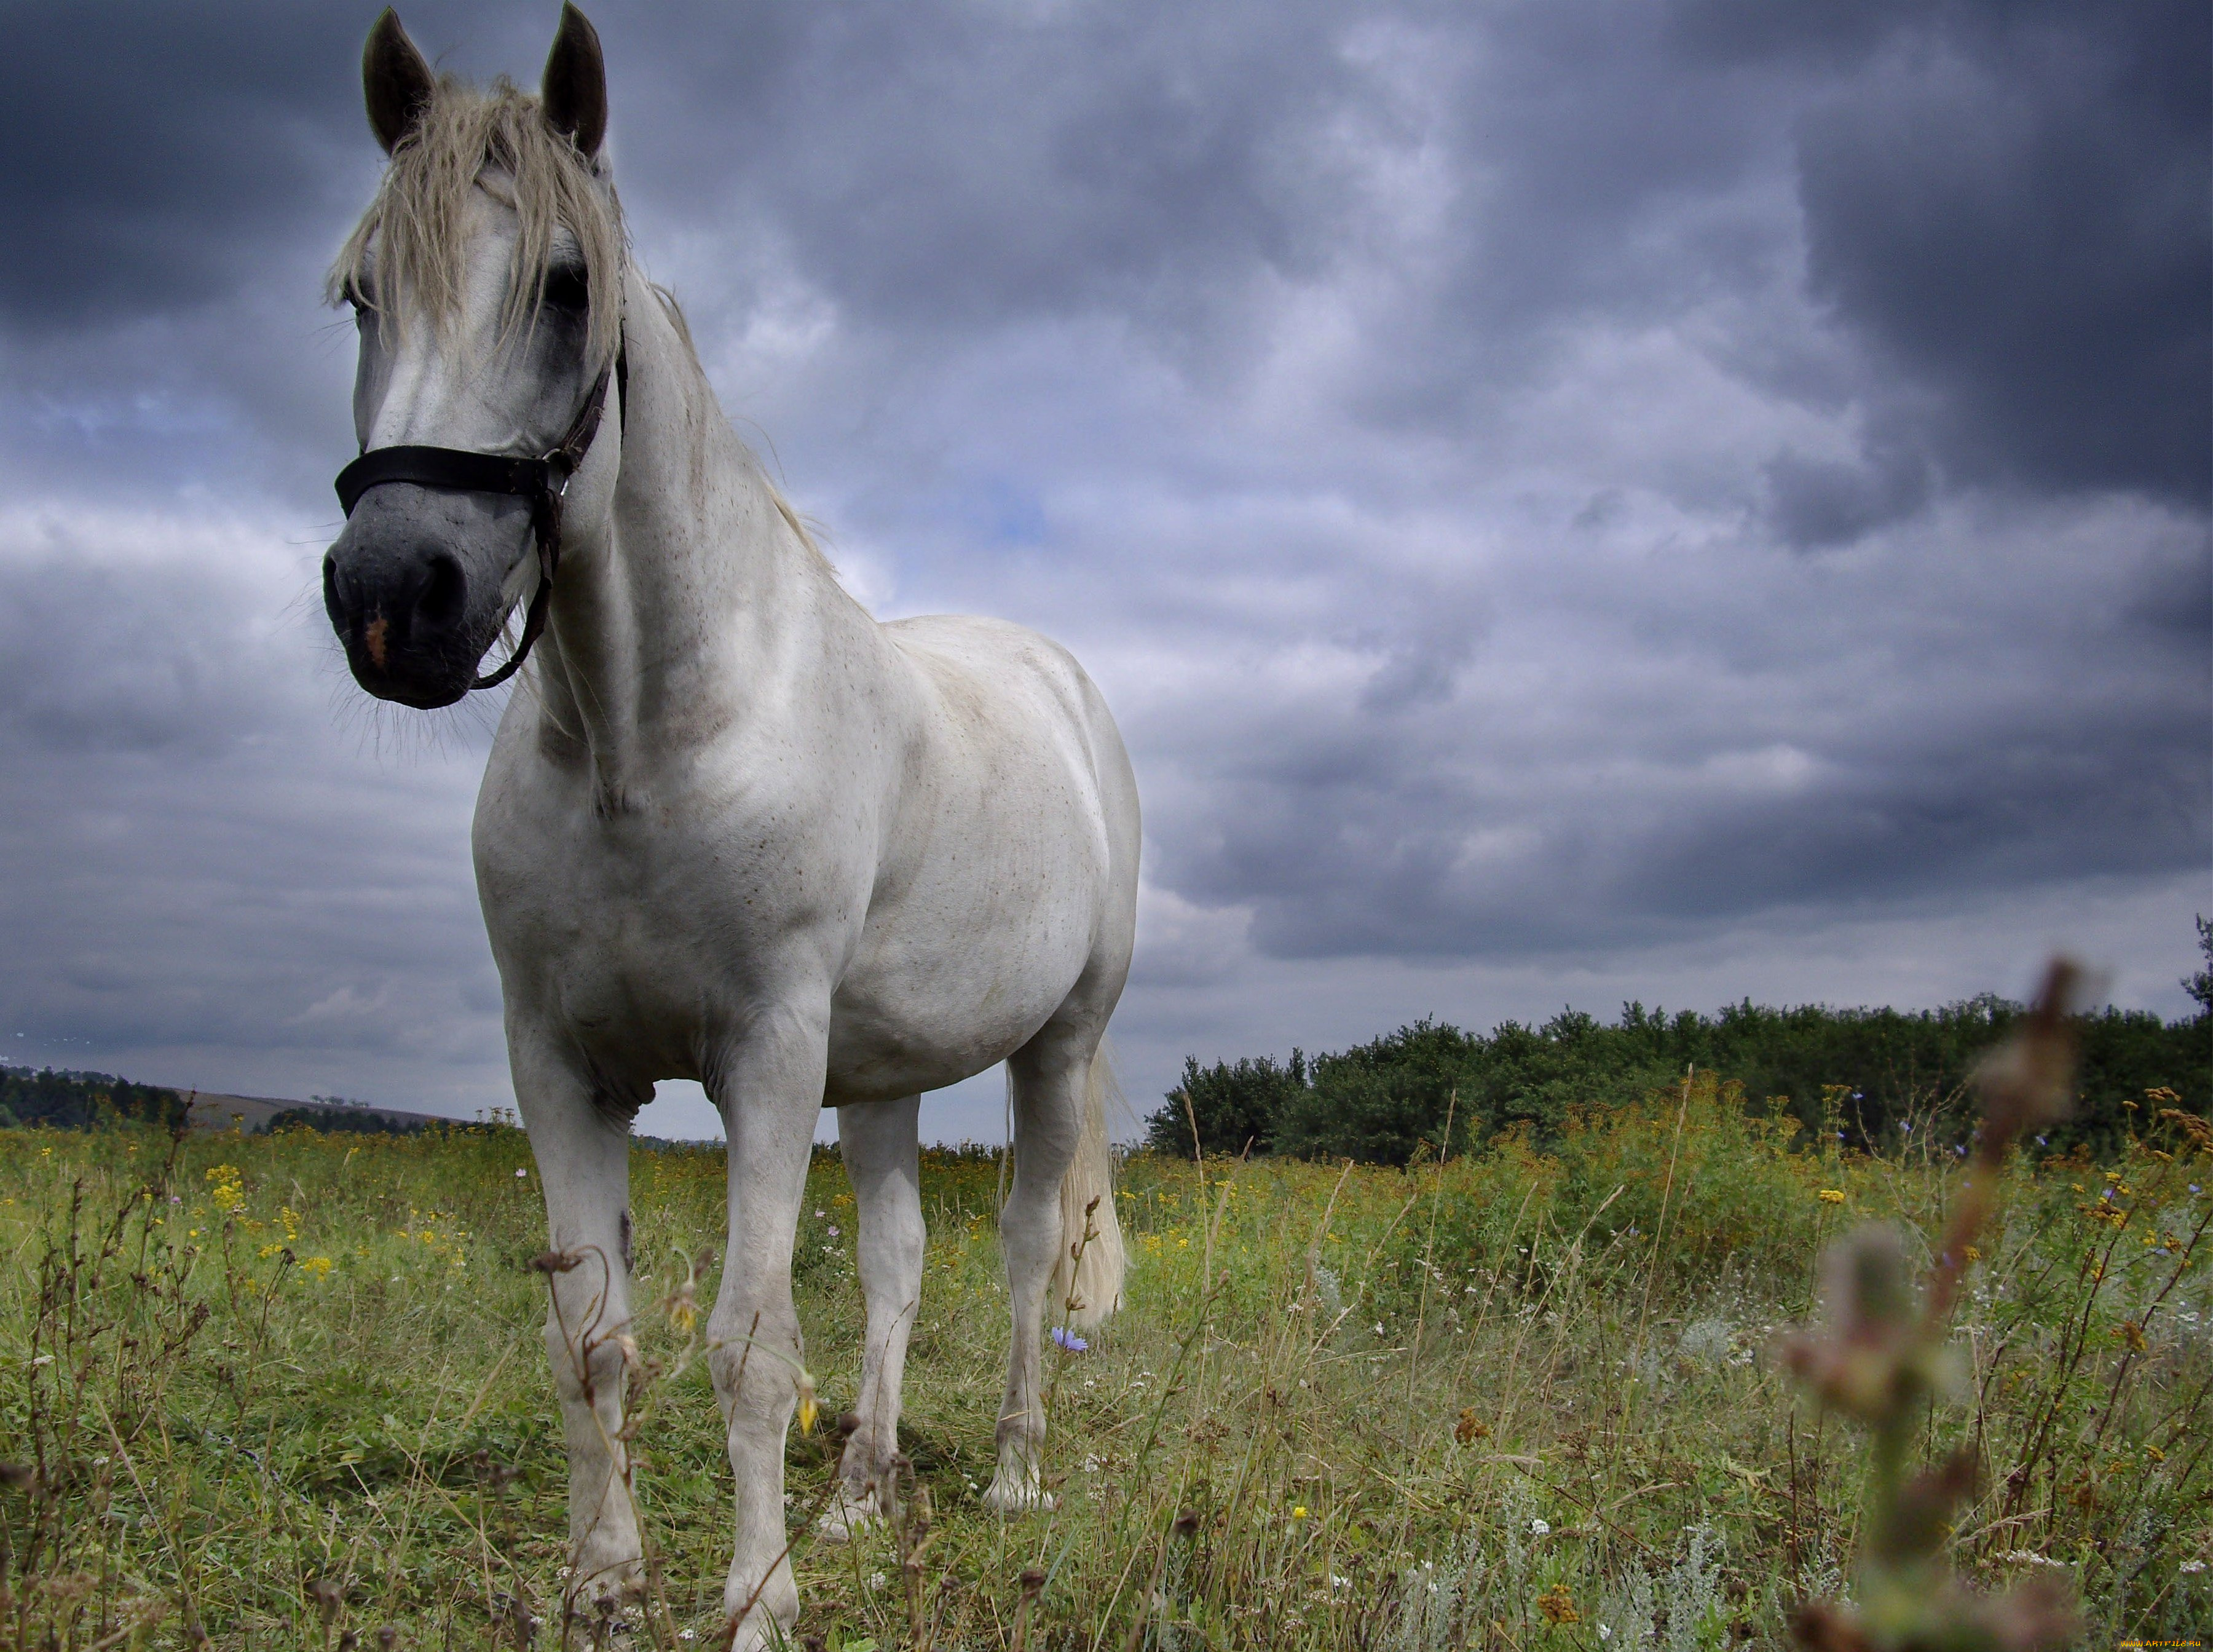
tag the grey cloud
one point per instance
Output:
(1818, 503)
(1980, 746)
(107, 660)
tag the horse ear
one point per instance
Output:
(573, 91)
(395, 80)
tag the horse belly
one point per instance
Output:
(963, 970)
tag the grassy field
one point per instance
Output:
(290, 1391)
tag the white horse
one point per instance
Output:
(733, 829)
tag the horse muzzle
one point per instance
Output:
(415, 587)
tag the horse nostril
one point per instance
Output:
(444, 592)
(330, 588)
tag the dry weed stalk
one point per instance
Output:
(1880, 1361)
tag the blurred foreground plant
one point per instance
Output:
(1881, 1361)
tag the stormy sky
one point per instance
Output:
(1570, 502)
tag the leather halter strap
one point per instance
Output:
(543, 481)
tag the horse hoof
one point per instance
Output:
(847, 1518)
(1009, 1496)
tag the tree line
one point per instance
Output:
(1872, 1076)
(66, 1101)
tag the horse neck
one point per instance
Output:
(670, 609)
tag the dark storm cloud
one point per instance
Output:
(2008, 202)
(155, 154)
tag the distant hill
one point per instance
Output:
(257, 1114)
(87, 1101)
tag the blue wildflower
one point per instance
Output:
(1068, 1341)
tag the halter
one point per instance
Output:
(544, 481)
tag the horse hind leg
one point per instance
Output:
(1058, 1082)
(879, 1142)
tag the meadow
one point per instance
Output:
(289, 1390)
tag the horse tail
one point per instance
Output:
(1087, 1275)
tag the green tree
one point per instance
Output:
(1233, 1105)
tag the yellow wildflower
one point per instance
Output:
(1828, 1196)
(1557, 1605)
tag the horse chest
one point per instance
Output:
(644, 930)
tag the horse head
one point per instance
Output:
(486, 282)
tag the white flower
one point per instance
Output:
(1605, 1632)
(834, 1231)
(1539, 1529)
(521, 1175)
(2192, 1566)
(875, 1580)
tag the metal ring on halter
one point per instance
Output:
(544, 481)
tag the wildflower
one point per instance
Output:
(1833, 1196)
(1541, 1528)
(1605, 1631)
(2193, 1567)
(1068, 1341)
(1468, 1431)
(317, 1267)
(1298, 1511)
(521, 1175)
(1557, 1605)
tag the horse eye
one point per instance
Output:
(567, 289)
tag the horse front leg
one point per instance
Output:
(770, 1091)
(880, 1143)
(583, 1165)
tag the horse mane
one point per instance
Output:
(415, 221)
(800, 526)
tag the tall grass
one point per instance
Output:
(290, 1391)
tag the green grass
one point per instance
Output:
(271, 1392)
